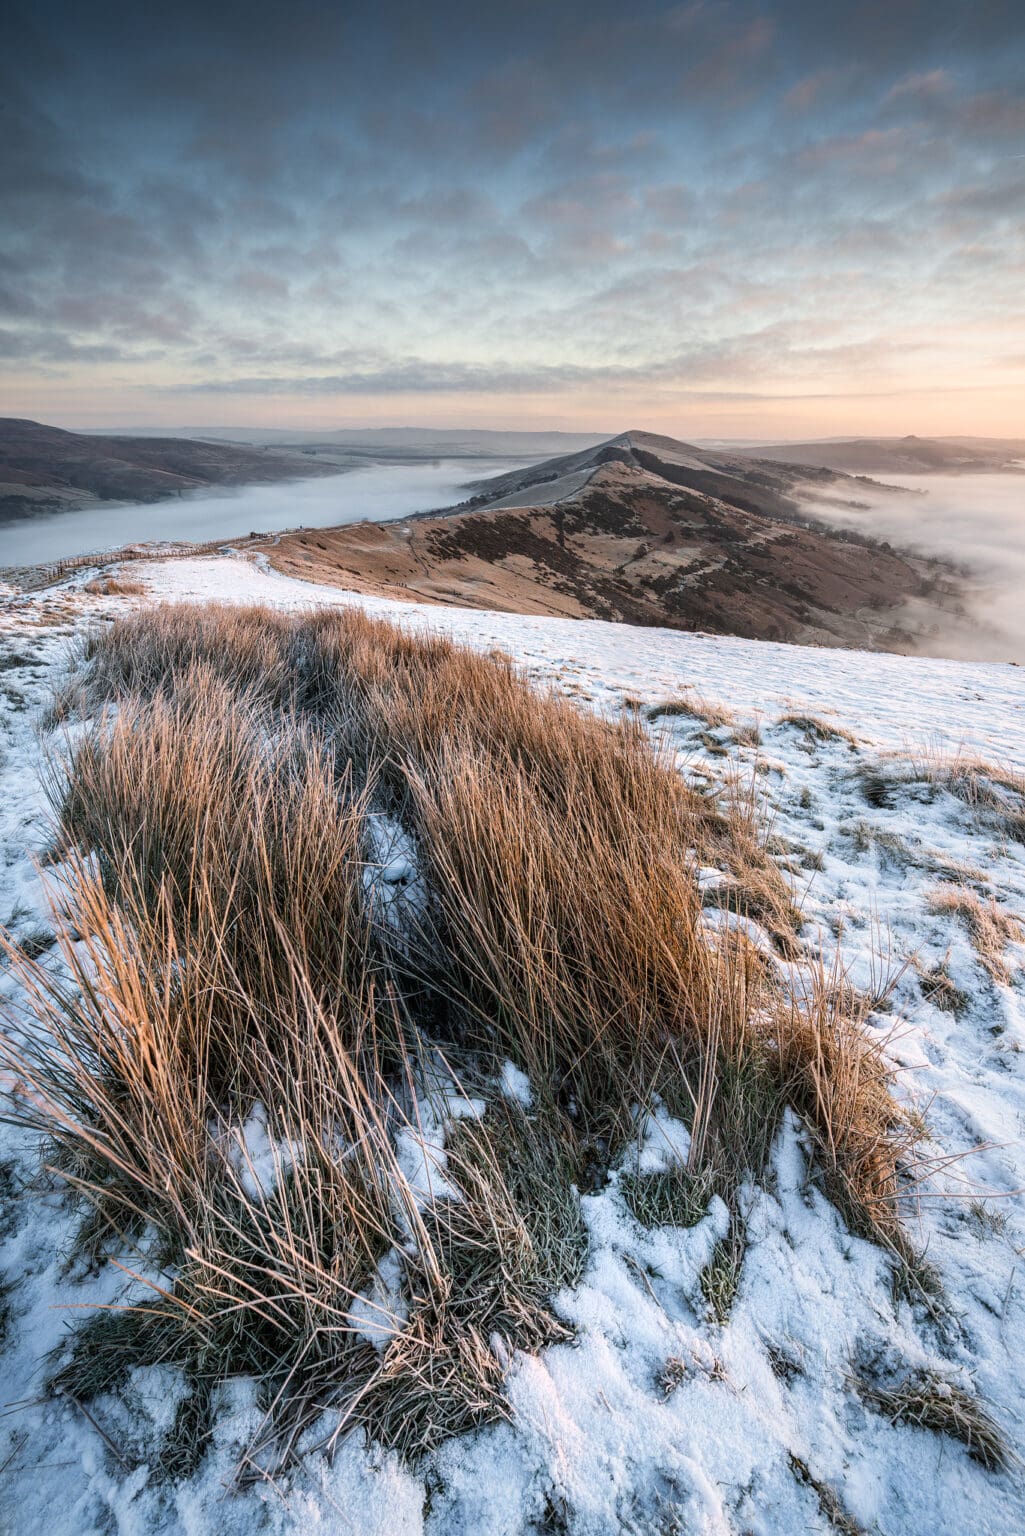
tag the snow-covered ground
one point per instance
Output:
(893, 701)
(653, 1419)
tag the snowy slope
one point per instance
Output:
(654, 1419)
(894, 701)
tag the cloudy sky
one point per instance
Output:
(721, 217)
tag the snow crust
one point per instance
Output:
(653, 1418)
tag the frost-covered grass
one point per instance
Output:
(929, 1400)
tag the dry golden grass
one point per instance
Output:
(840, 1082)
(818, 728)
(696, 707)
(737, 838)
(990, 927)
(142, 1073)
(928, 1400)
(233, 956)
(114, 586)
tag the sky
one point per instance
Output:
(746, 218)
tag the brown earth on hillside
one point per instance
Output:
(629, 544)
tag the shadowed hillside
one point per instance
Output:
(902, 455)
(645, 530)
(44, 469)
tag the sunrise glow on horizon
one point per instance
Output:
(752, 220)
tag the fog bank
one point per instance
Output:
(376, 493)
(976, 522)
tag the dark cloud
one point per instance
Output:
(702, 363)
(47, 347)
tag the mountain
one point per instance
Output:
(901, 455)
(647, 530)
(733, 477)
(45, 469)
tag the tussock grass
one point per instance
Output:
(36, 943)
(114, 586)
(840, 1083)
(739, 840)
(715, 716)
(940, 989)
(228, 975)
(819, 729)
(993, 792)
(513, 1238)
(990, 927)
(696, 707)
(878, 788)
(928, 1400)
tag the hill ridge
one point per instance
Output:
(646, 530)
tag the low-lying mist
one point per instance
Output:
(975, 522)
(371, 493)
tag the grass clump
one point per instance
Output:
(111, 1343)
(233, 1066)
(670, 1197)
(990, 928)
(694, 707)
(183, 1446)
(939, 988)
(110, 585)
(831, 1507)
(512, 1238)
(720, 1278)
(877, 788)
(36, 943)
(818, 729)
(926, 1399)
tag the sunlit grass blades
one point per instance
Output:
(244, 1045)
